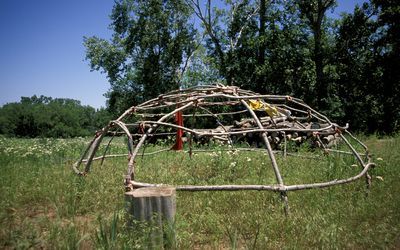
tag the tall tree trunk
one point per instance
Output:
(314, 11)
(321, 87)
(261, 49)
(261, 33)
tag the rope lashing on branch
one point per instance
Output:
(260, 105)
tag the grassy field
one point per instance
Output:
(44, 205)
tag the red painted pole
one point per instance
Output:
(179, 133)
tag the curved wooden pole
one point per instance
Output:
(275, 188)
(94, 147)
(267, 144)
(106, 149)
(271, 156)
(76, 165)
(360, 160)
(128, 134)
(131, 170)
(243, 131)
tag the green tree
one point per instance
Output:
(259, 45)
(367, 57)
(200, 69)
(151, 41)
(229, 32)
(314, 13)
(46, 117)
(288, 68)
(389, 60)
(358, 70)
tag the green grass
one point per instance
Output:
(44, 205)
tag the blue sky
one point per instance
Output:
(41, 50)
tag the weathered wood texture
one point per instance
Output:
(156, 207)
(241, 117)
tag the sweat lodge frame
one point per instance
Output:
(285, 119)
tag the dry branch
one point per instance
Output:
(295, 123)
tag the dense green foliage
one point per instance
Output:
(44, 205)
(150, 41)
(345, 67)
(46, 117)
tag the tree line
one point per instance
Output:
(346, 67)
(47, 117)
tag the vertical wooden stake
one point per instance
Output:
(285, 203)
(155, 206)
(284, 145)
(368, 183)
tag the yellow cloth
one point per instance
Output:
(257, 105)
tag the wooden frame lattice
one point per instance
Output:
(290, 120)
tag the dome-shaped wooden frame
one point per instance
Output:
(274, 119)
